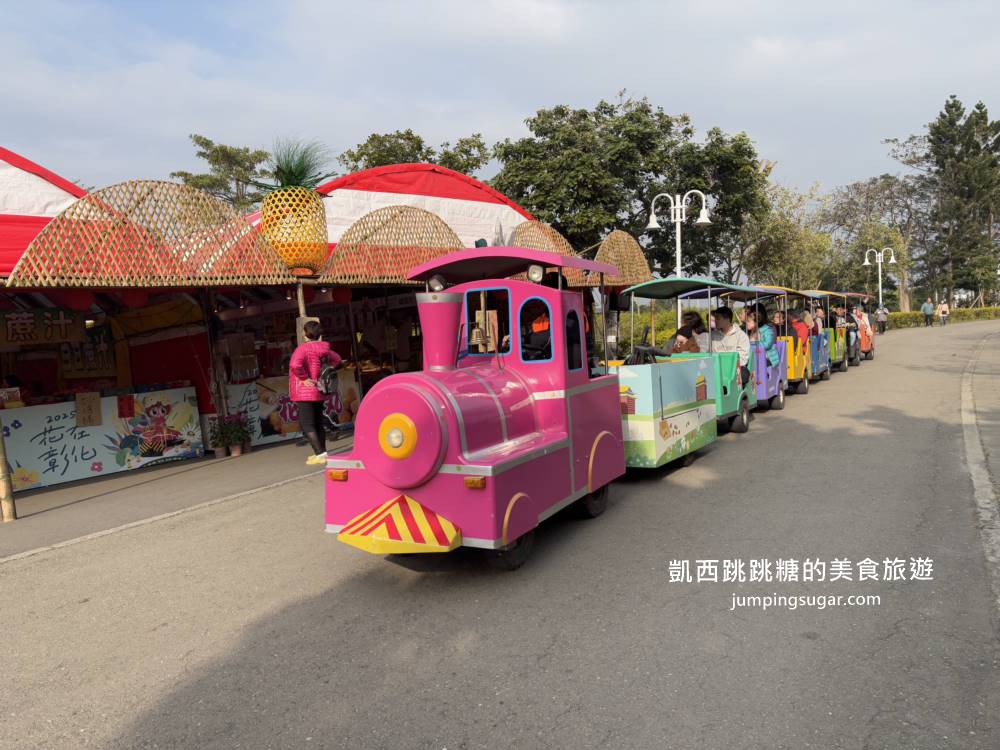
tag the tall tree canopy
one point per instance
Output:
(588, 171)
(957, 177)
(468, 155)
(785, 246)
(232, 172)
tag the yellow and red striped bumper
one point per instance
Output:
(401, 525)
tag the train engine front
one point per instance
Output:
(483, 443)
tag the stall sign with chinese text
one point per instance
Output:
(41, 327)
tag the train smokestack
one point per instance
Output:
(440, 316)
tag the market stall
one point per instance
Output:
(107, 352)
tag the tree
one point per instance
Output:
(958, 163)
(784, 246)
(888, 209)
(232, 172)
(588, 172)
(468, 155)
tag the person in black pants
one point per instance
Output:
(303, 373)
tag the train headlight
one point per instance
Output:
(536, 273)
(397, 436)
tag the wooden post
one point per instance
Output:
(302, 299)
(8, 510)
(652, 322)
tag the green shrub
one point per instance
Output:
(958, 315)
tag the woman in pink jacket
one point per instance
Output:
(303, 373)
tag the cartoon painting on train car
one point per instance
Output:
(667, 410)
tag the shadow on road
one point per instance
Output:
(589, 645)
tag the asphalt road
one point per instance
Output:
(244, 625)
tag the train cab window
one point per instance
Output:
(574, 350)
(535, 325)
(487, 321)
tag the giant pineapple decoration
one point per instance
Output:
(292, 216)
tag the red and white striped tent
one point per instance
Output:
(30, 197)
(471, 208)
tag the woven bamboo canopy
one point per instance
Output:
(622, 251)
(540, 236)
(382, 246)
(148, 233)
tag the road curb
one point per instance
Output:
(154, 519)
(984, 493)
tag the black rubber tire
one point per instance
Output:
(513, 556)
(825, 375)
(687, 459)
(842, 365)
(594, 504)
(777, 402)
(740, 422)
(870, 354)
(854, 362)
(803, 387)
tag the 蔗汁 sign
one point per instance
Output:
(41, 327)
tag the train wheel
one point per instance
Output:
(687, 459)
(741, 421)
(777, 401)
(592, 505)
(803, 387)
(842, 365)
(513, 556)
(870, 354)
(825, 375)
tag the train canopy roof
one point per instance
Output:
(475, 263)
(688, 286)
(823, 294)
(775, 289)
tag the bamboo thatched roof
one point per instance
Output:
(540, 236)
(622, 251)
(383, 245)
(148, 233)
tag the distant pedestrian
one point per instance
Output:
(928, 310)
(943, 312)
(303, 376)
(882, 318)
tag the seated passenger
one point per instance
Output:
(684, 341)
(692, 320)
(728, 337)
(807, 318)
(768, 339)
(778, 321)
(801, 331)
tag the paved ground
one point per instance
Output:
(244, 625)
(53, 516)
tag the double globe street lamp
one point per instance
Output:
(678, 215)
(879, 256)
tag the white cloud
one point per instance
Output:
(102, 93)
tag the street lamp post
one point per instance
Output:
(879, 255)
(678, 215)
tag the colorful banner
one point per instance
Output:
(45, 447)
(272, 416)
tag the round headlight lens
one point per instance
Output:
(394, 437)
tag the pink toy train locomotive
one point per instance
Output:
(506, 424)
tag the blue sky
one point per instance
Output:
(102, 92)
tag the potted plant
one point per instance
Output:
(215, 436)
(232, 432)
